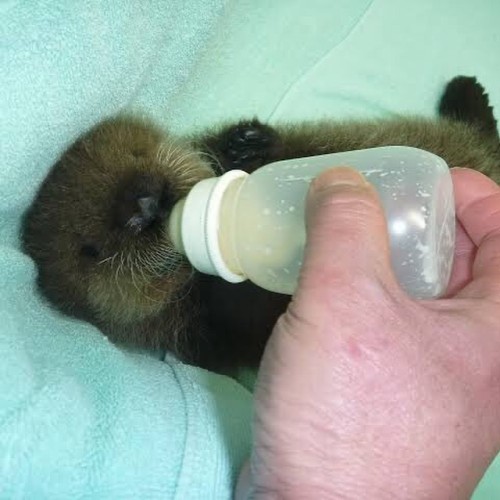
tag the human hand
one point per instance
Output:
(364, 392)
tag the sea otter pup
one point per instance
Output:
(96, 227)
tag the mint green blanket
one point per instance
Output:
(79, 417)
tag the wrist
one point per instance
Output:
(269, 483)
(359, 478)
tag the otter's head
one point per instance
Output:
(96, 231)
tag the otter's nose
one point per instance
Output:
(140, 203)
(145, 214)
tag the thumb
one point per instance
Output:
(347, 241)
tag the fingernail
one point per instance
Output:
(339, 176)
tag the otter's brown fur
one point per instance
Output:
(84, 231)
(96, 232)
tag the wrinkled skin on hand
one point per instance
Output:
(365, 392)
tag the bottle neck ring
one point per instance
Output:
(200, 226)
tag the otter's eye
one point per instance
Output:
(138, 153)
(89, 250)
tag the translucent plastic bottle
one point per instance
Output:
(241, 226)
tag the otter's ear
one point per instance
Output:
(141, 201)
(90, 249)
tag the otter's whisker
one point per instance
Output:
(153, 263)
(110, 258)
(141, 291)
(118, 268)
(189, 281)
(216, 161)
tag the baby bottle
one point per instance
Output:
(240, 226)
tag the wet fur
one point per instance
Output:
(96, 232)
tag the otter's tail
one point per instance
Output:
(464, 99)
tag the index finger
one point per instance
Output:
(477, 201)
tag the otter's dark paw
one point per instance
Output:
(247, 145)
(464, 99)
